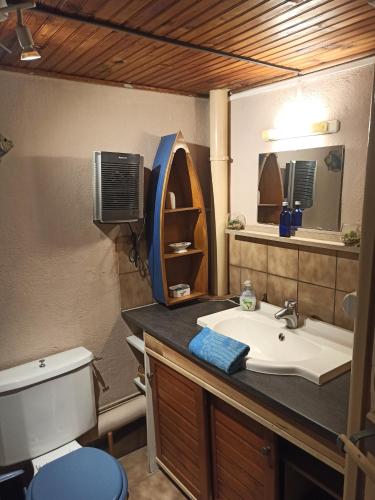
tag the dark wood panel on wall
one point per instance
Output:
(219, 41)
(181, 428)
(244, 456)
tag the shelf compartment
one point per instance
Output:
(180, 226)
(190, 270)
(192, 251)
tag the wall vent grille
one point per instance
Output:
(118, 187)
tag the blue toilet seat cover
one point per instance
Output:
(84, 474)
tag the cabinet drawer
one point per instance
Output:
(243, 455)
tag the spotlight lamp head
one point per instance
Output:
(3, 13)
(30, 55)
(25, 39)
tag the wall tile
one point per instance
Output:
(341, 319)
(317, 267)
(347, 272)
(135, 290)
(316, 301)
(234, 251)
(280, 289)
(275, 268)
(254, 255)
(235, 280)
(258, 279)
(283, 261)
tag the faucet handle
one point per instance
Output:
(291, 304)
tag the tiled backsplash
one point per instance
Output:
(319, 279)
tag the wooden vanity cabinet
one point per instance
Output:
(244, 456)
(213, 450)
(181, 429)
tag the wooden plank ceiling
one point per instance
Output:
(307, 35)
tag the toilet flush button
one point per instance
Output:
(42, 363)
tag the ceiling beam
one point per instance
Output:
(99, 23)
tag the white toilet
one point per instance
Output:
(44, 406)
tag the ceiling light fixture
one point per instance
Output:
(29, 52)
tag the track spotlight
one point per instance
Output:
(29, 52)
(3, 14)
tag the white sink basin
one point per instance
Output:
(317, 351)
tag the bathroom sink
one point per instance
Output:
(316, 351)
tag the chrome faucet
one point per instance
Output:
(289, 313)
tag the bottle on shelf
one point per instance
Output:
(297, 214)
(248, 300)
(285, 226)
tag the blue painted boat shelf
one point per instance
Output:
(173, 171)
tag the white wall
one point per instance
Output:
(59, 283)
(345, 96)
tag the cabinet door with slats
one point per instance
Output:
(181, 428)
(243, 456)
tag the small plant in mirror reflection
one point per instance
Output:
(236, 222)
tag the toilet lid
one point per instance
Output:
(84, 474)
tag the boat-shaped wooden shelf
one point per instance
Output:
(271, 190)
(174, 171)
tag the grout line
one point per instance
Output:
(334, 298)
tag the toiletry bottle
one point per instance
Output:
(297, 216)
(285, 221)
(248, 299)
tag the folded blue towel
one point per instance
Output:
(218, 350)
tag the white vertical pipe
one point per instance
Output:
(219, 158)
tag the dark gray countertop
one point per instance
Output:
(323, 408)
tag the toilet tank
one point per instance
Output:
(45, 404)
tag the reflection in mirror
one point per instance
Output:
(311, 176)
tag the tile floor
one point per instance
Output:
(146, 486)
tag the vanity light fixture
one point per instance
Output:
(319, 128)
(25, 39)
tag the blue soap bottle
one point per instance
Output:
(297, 216)
(285, 221)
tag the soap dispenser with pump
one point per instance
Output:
(248, 299)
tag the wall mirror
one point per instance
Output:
(310, 176)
